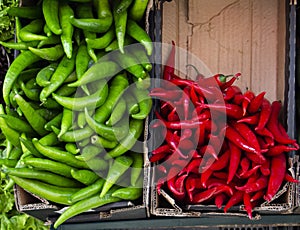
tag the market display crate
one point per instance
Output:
(231, 37)
(48, 211)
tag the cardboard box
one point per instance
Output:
(229, 37)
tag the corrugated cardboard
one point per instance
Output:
(231, 36)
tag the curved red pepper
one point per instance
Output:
(234, 160)
(205, 176)
(248, 96)
(273, 126)
(256, 103)
(233, 135)
(289, 178)
(265, 168)
(278, 171)
(171, 179)
(231, 91)
(238, 99)
(251, 120)
(220, 199)
(236, 198)
(278, 149)
(265, 113)
(230, 82)
(247, 204)
(222, 162)
(204, 195)
(258, 195)
(231, 110)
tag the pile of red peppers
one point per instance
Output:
(221, 146)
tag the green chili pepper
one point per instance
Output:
(31, 93)
(82, 60)
(79, 103)
(51, 15)
(55, 122)
(63, 70)
(136, 168)
(49, 139)
(120, 19)
(131, 64)
(8, 162)
(112, 133)
(98, 71)
(145, 103)
(137, 9)
(52, 40)
(53, 193)
(58, 155)
(97, 164)
(65, 90)
(22, 61)
(28, 144)
(88, 191)
(85, 205)
(66, 121)
(36, 121)
(118, 85)
(49, 165)
(140, 35)
(17, 124)
(47, 30)
(102, 142)
(28, 12)
(89, 152)
(19, 45)
(81, 122)
(123, 6)
(44, 75)
(102, 42)
(74, 135)
(132, 105)
(65, 13)
(117, 113)
(84, 176)
(44, 176)
(120, 165)
(140, 54)
(51, 54)
(72, 148)
(128, 193)
(114, 44)
(135, 131)
(31, 31)
(15, 153)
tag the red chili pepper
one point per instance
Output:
(199, 136)
(231, 110)
(251, 120)
(255, 186)
(233, 135)
(273, 122)
(222, 162)
(160, 153)
(246, 132)
(265, 168)
(247, 204)
(173, 141)
(264, 114)
(248, 96)
(278, 149)
(238, 99)
(220, 199)
(161, 168)
(220, 175)
(160, 183)
(256, 103)
(250, 172)
(230, 82)
(245, 164)
(171, 178)
(193, 166)
(214, 182)
(205, 176)
(236, 198)
(193, 95)
(170, 64)
(204, 195)
(255, 158)
(173, 116)
(234, 160)
(267, 135)
(224, 189)
(278, 171)
(289, 178)
(209, 149)
(201, 114)
(258, 195)
(180, 182)
(249, 182)
(190, 186)
(164, 94)
(284, 133)
(231, 91)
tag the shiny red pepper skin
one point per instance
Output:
(171, 179)
(233, 135)
(256, 103)
(236, 198)
(272, 124)
(289, 178)
(278, 149)
(231, 91)
(222, 162)
(247, 204)
(248, 96)
(234, 160)
(204, 195)
(220, 199)
(278, 171)
(258, 195)
(264, 114)
(251, 120)
(230, 82)
(231, 110)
